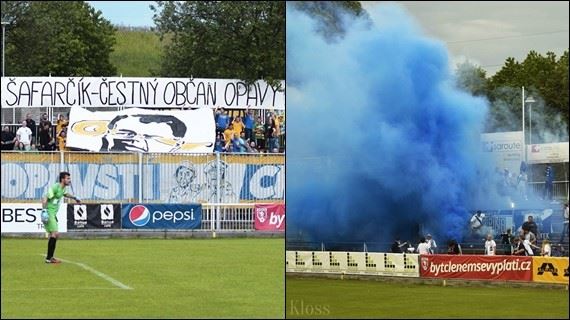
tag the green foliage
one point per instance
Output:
(472, 79)
(64, 38)
(545, 77)
(329, 14)
(219, 39)
(137, 53)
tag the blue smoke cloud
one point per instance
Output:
(379, 137)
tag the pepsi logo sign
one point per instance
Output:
(139, 215)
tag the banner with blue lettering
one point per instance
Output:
(166, 178)
(162, 216)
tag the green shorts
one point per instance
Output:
(51, 225)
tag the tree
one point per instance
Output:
(64, 38)
(543, 77)
(219, 39)
(472, 78)
(330, 15)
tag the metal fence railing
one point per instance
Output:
(559, 189)
(146, 178)
(228, 217)
(466, 247)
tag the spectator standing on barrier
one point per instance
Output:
(24, 137)
(249, 123)
(8, 139)
(453, 247)
(565, 231)
(490, 246)
(423, 247)
(549, 180)
(432, 244)
(47, 142)
(546, 249)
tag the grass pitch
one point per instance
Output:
(328, 298)
(187, 278)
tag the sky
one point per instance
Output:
(126, 13)
(486, 33)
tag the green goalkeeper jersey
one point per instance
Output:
(54, 195)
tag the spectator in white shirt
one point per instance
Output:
(24, 137)
(423, 247)
(546, 249)
(432, 244)
(490, 246)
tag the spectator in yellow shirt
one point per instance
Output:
(60, 124)
(238, 125)
(62, 139)
(229, 133)
(277, 122)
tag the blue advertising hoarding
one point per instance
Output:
(162, 216)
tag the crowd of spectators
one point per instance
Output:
(33, 137)
(515, 186)
(250, 134)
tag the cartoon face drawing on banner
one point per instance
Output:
(186, 190)
(139, 132)
(211, 171)
(261, 214)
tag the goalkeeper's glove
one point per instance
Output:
(45, 216)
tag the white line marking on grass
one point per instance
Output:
(98, 273)
(39, 289)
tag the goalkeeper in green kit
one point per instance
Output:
(50, 205)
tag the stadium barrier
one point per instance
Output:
(26, 217)
(146, 177)
(467, 267)
(363, 263)
(560, 189)
(476, 267)
(550, 269)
